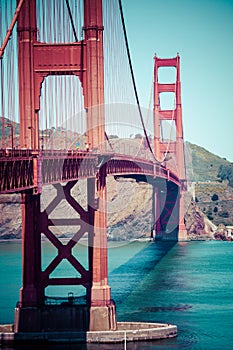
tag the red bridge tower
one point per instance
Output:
(37, 60)
(169, 151)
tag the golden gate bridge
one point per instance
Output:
(69, 104)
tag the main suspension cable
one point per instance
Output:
(10, 30)
(71, 20)
(133, 80)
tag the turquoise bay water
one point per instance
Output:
(187, 284)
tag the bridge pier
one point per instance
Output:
(102, 308)
(156, 211)
(168, 212)
(182, 231)
(31, 292)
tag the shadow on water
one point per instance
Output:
(189, 286)
(124, 279)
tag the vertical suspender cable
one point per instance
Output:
(2, 105)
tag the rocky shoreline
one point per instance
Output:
(208, 203)
(222, 234)
(133, 222)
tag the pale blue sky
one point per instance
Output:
(202, 32)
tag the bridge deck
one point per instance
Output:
(25, 169)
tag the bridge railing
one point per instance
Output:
(17, 153)
(24, 169)
(9, 152)
(16, 173)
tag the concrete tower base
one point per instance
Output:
(182, 233)
(103, 318)
(182, 236)
(73, 318)
(52, 318)
(127, 331)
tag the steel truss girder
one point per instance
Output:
(41, 168)
(16, 174)
(64, 251)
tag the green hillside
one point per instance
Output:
(203, 165)
(213, 177)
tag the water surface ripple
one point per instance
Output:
(187, 284)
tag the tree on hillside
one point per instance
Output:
(225, 172)
(113, 137)
(214, 197)
(138, 136)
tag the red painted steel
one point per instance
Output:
(31, 293)
(163, 149)
(64, 250)
(93, 78)
(27, 30)
(93, 87)
(175, 115)
(36, 61)
(26, 171)
(22, 170)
